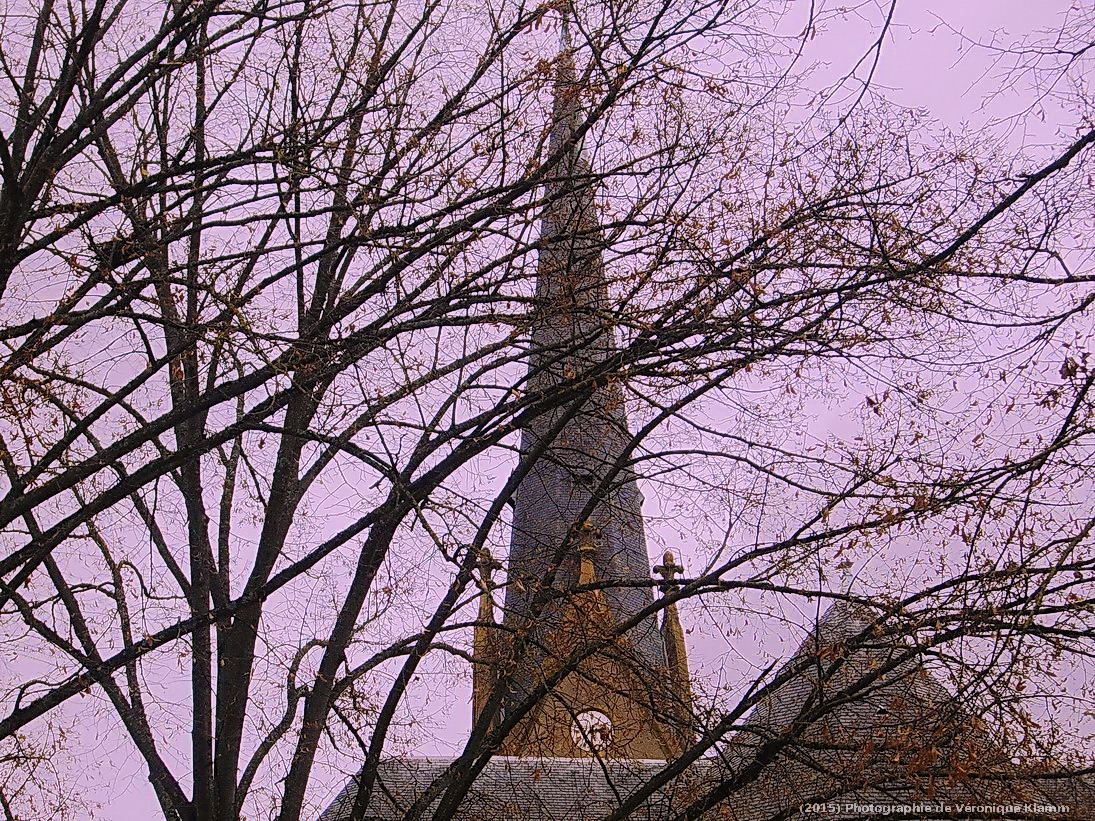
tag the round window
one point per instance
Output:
(591, 731)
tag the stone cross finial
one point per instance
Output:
(487, 565)
(668, 570)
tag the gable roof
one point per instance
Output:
(879, 730)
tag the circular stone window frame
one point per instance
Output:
(592, 731)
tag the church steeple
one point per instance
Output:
(577, 517)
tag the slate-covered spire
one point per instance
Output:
(571, 336)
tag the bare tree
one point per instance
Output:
(267, 272)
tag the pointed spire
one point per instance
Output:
(567, 115)
(577, 513)
(570, 290)
(571, 336)
(676, 651)
(485, 644)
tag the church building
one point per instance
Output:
(581, 690)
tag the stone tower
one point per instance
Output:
(578, 547)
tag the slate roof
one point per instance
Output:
(528, 789)
(827, 670)
(902, 740)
